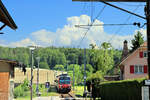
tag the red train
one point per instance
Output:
(63, 83)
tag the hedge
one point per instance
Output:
(118, 90)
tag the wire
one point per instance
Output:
(125, 4)
(119, 29)
(83, 26)
(91, 25)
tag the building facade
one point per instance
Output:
(134, 65)
(7, 79)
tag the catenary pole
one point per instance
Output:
(73, 77)
(84, 70)
(38, 60)
(148, 38)
(32, 51)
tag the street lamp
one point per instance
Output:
(32, 52)
(37, 88)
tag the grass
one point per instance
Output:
(51, 92)
(79, 90)
(43, 90)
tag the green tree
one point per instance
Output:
(44, 65)
(59, 67)
(78, 74)
(88, 70)
(137, 41)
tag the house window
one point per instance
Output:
(138, 69)
(142, 54)
(145, 53)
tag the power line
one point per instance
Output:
(91, 25)
(123, 9)
(119, 29)
(125, 4)
(83, 26)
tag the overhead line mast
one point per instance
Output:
(147, 13)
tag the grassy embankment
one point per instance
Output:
(52, 92)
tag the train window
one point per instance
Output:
(64, 80)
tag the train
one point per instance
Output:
(63, 83)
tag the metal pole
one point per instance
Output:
(38, 60)
(148, 38)
(31, 71)
(84, 70)
(47, 76)
(73, 77)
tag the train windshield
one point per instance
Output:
(64, 80)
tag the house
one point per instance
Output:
(7, 78)
(134, 65)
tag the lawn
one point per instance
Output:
(79, 90)
(51, 92)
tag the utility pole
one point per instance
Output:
(31, 72)
(47, 76)
(38, 60)
(148, 38)
(73, 77)
(84, 71)
(32, 52)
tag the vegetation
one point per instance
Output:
(137, 41)
(22, 92)
(119, 90)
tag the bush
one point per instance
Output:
(25, 85)
(94, 78)
(19, 91)
(119, 90)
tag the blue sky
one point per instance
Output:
(51, 22)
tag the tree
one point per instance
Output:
(137, 41)
(105, 45)
(44, 65)
(59, 67)
(88, 70)
(78, 74)
(92, 46)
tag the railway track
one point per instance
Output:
(68, 96)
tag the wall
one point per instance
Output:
(44, 75)
(4, 85)
(132, 60)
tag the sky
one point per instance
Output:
(52, 23)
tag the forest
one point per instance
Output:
(64, 59)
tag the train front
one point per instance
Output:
(64, 84)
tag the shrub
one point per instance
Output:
(94, 78)
(25, 85)
(18, 92)
(119, 90)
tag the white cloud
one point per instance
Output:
(23, 43)
(70, 35)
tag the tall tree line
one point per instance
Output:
(52, 56)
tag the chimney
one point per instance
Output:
(125, 49)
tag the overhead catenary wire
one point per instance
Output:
(130, 5)
(91, 26)
(122, 9)
(119, 29)
(82, 26)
